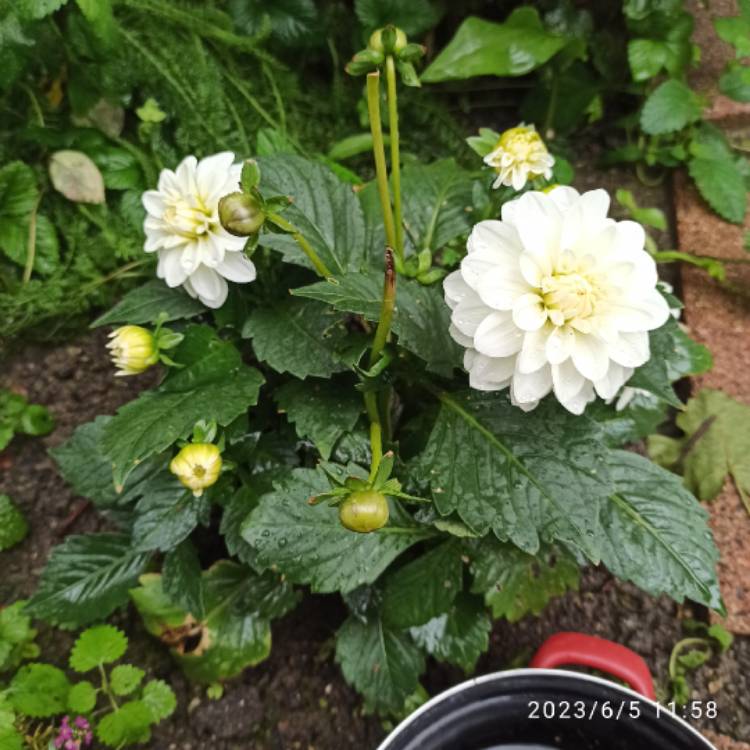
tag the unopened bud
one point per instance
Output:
(241, 214)
(197, 466)
(364, 511)
(133, 349)
(389, 40)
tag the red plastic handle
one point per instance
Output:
(590, 651)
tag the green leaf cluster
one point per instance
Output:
(18, 417)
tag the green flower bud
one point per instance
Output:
(388, 40)
(412, 52)
(364, 511)
(365, 61)
(241, 214)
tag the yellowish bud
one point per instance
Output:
(364, 511)
(132, 349)
(197, 466)
(399, 41)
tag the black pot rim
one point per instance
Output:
(510, 675)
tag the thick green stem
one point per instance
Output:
(305, 246)
(390, 69)
(386, 309)
(382, 333)
(378, 150)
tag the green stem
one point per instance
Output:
(31, 245)
(386, 310)
(122, 270)
(679, 647)
(382, 333)
(378, 150)
(106, 690)
(390, 69)
(305, 246)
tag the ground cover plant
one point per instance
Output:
(392, 374)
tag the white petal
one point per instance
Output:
(595, 204)
(567, 381)
(529, 312)
(468, 314)
(563, 196)
(533, 269)
(236, 267)
(170, 267)
(490, 373)
(577, 404)
(460, 338)
(646, 312)
(498, 336)
(533, 352)
(500, 287)
(185, 176)
(589, 355)
(211, 176)
(615, 378)
(538, 222)
(630, 349)
(190, 257)
(153, 202)
(531, 386)
(455, 289)
(560, 344)
(211, 288)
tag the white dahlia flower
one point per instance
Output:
(555, 297)
(182, 226)
(518, 156)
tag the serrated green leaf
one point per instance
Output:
(324, 209)
(16, 637)
(39, 691)
(86, 578)
(716, 444)
(166, 514)
(674, 355)
(102, 644)
(736, 31)
(214, 386)
(234, 634)
(722, 186)
(479, 47)
(237, 510)
(423, 588)
(128, 725)
(381, 663)
(13, 524)
(437, 203)
(183, 580)
(146, 303)
(460, 636)
(321, 411)
(421, 318)
(125, 679)
(308, 543)
(160, 700)
(82, 697)
(99, 14)
(657, 534)
(670, 107)
(515, 584)
(735, 82)
(536, 476)
(288, 21)
(298, 336)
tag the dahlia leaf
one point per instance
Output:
(381, 663)
(670, 107)
(534, 476)
(656, 533)
(308, 543)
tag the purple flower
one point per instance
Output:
(76, 737)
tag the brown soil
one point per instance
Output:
(297, 699)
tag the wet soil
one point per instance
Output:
(297, 699)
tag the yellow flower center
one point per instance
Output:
(521, 142)
(199, 471)
(569, 296)
(190, 221)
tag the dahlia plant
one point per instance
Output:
(409, 406)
